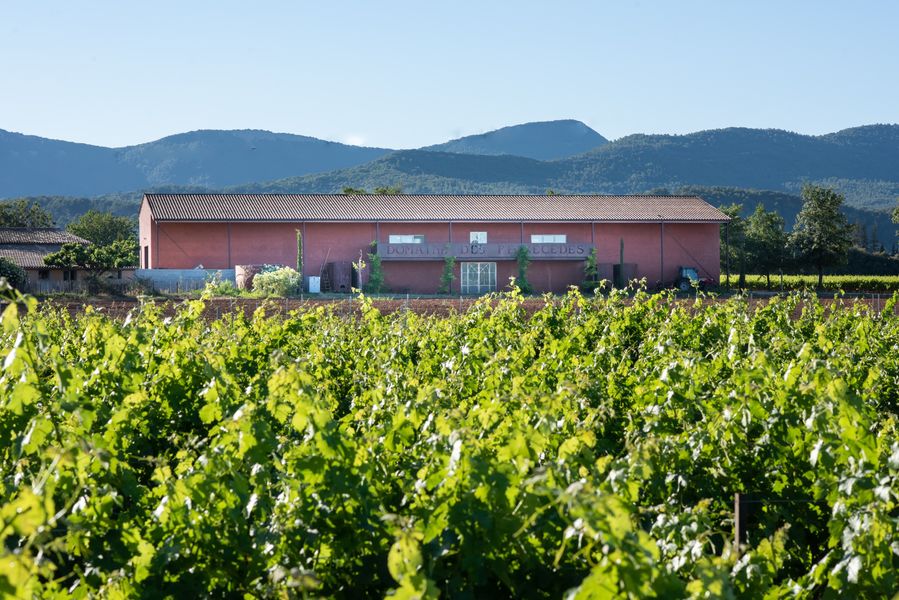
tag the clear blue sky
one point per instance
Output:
(408, 73)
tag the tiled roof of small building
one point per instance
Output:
(38, 235)
(441, 208)
(27, 246)
(28, 256)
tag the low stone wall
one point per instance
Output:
(182, 280)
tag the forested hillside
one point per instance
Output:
(724, 166)
(427, 172)
(548, 140)
(33, 166)
(861, 163)
(862, 160)
(875, 224)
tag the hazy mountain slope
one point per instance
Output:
(127, 204)
(877, 223)
(862, 162)
(872, 194)
(546, 140)
(425, 172)
(746, 158)
(221, 158)
(31, 165)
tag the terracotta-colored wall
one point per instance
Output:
(261, 243)
(189, 245)
(335, 242)
(685, 244)
(416, 277)
(146, 235)
(223, 245)
(695, 245)
(424, 276)
(508, 233)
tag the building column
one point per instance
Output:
(662, 252)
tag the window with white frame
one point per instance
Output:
(477, 237)
(478, 277)
(407, 239)
(549, 238)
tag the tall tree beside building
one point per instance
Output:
(733, 241)
(24, 213)
(766, 241)
(103, 228)
(822, 235)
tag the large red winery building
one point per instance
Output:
(414, 233)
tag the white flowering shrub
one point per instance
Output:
(283, 281)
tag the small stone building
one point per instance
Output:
(28, 246)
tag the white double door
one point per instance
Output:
(478, 277)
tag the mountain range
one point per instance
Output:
(33, 165)
(214, 159)
(862, 163)
(565, 156)
(548, 140)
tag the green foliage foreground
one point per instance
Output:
(832, 283)
(594, 446)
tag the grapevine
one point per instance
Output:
(592, 448)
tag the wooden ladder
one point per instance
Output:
(326, 280)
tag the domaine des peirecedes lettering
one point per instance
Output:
(493, 251)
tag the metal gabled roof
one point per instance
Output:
(437, 207)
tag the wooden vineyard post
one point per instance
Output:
(741, 512)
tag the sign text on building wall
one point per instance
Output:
(482, 251)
